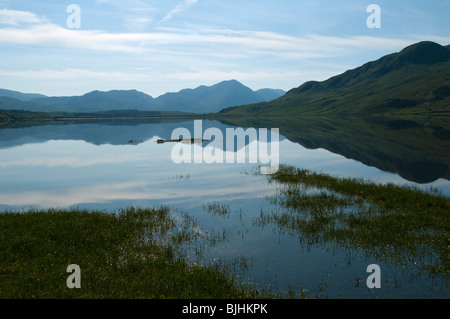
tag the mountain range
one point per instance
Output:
(414, 80)
(203, 99)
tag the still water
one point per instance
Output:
(113, 165)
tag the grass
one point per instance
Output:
(399, 225)
(215, 208)
(134, 253)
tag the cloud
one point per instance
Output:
(79, 154)
(137, 15)
(73, 74)
(215, 43)
(52, 35)
(16, 18)
(136, 23)
(26, 28)
(218, 75)
(182, 6)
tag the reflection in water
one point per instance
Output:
(417, 149)
(116, 165)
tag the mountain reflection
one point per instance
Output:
(417, 149)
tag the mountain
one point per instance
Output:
(414, 80)
(203, 99)
(270, 94)
(211, 99)
(9, 103)
(20, 96)
(96, 101)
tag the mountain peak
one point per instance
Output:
(425, 52)
(231, 83)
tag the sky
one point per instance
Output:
(67, 48)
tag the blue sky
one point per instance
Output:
(165, 46)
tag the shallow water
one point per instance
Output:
(109, 166)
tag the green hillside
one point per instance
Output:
(415, 80)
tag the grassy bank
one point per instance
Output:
(134, 253)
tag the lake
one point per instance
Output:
(116, 164)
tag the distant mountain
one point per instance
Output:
(270, 94)
(20, 96)
(415, 80)
(211, 99)
(96, 101)
(9, 103)
(204, 99)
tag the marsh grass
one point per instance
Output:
(396, 224)
(134, 253)
(217, 209)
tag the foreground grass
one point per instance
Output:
(396, 224)
(132, 254)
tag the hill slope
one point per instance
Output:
(417, 80)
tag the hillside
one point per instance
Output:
(415, 80)
(204, 99)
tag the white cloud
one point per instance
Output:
(136, 23)
(239, 43)
(72, 74)
(182, 6)
(16, 18)
(218, 75)
(26, 28)
(52, 35)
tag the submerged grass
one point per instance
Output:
(134, 253)
(396, 224)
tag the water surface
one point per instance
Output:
(113, 165)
